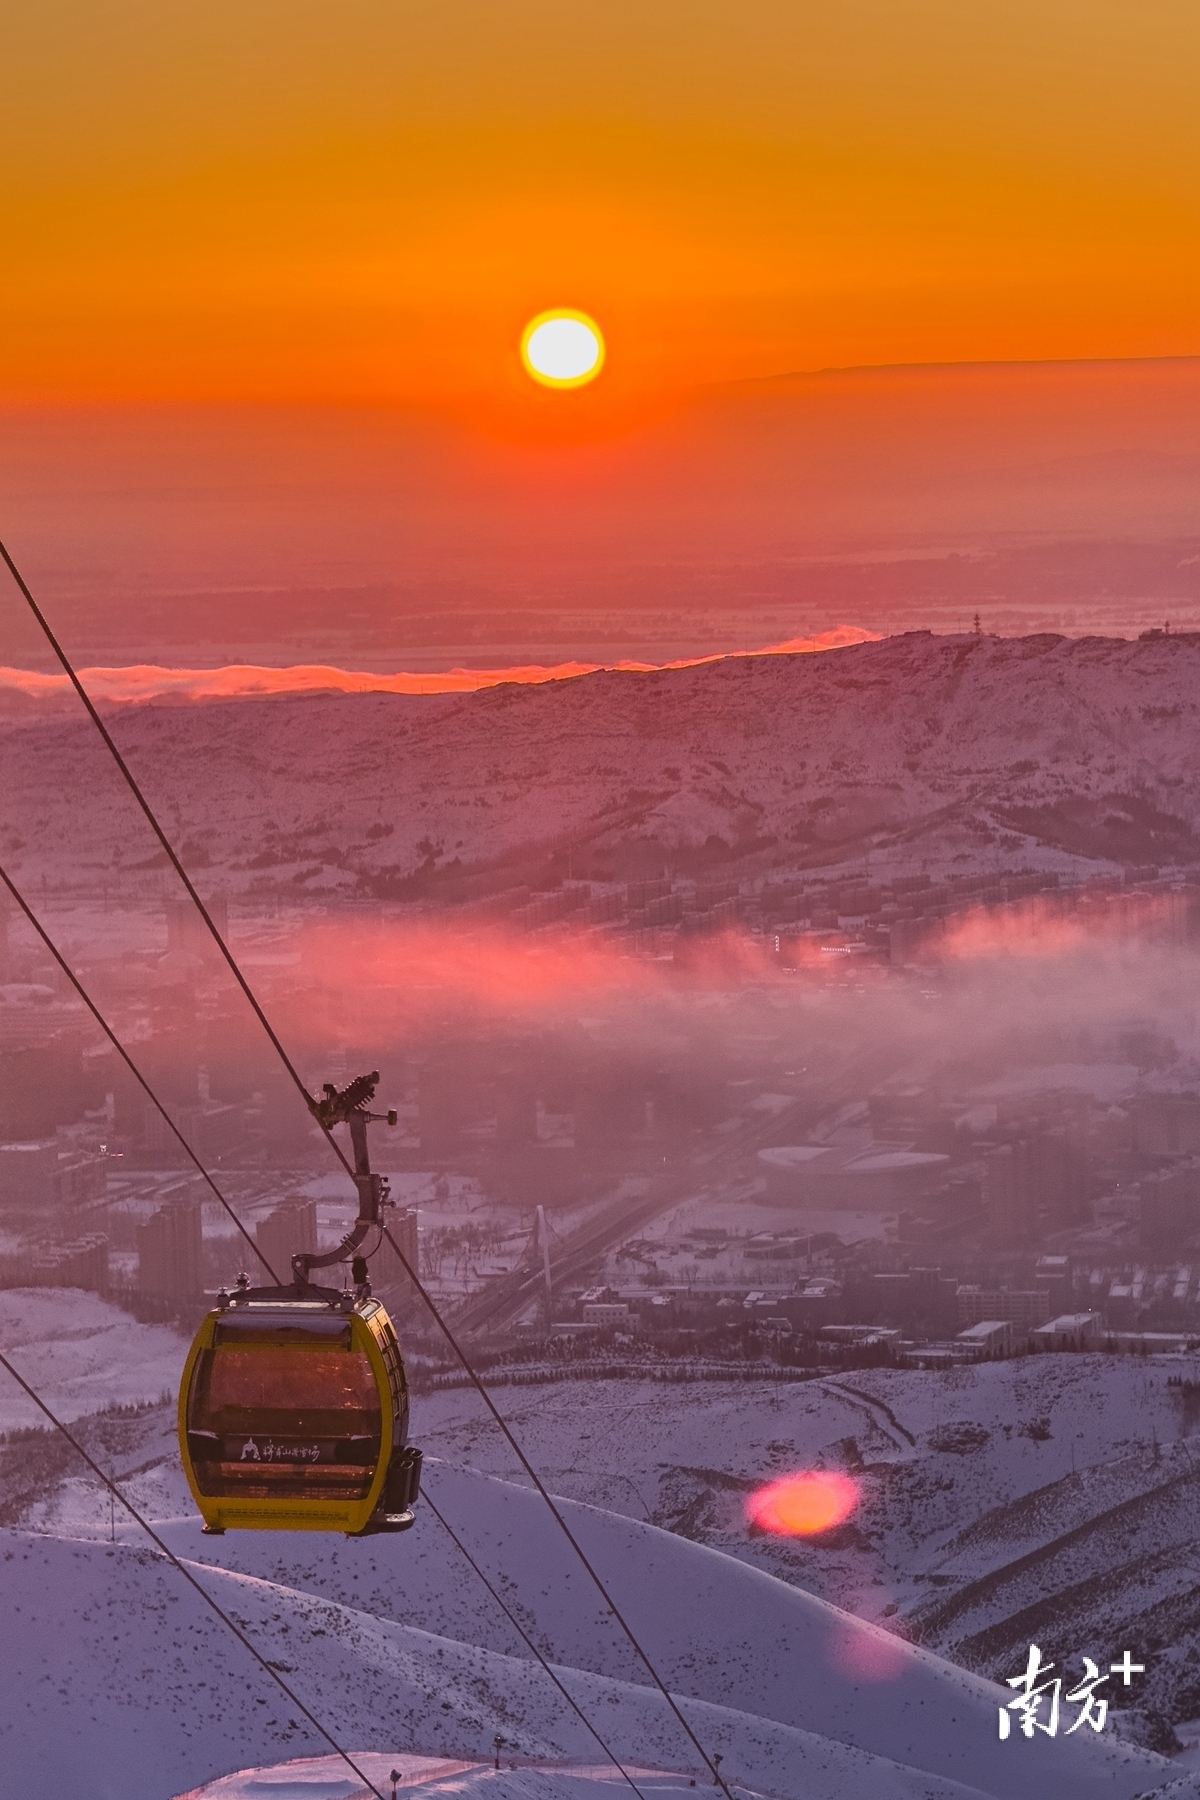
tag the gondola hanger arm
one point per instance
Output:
(348, 1106)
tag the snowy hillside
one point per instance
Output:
(326, 1778)
(185, 1702)
(397, 1645)
(86, 1354)
(1053, 1499)
(799, 1698)
(1045, 749)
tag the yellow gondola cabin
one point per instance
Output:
(293, 1408)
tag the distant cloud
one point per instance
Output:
(148, 681)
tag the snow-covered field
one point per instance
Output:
(789, 1658)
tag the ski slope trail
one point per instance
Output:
(127, 1686)
(723, 1634)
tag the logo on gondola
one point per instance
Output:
(269, 1451)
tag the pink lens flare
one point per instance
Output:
(804, 1504)
(867, 1654)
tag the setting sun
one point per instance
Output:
(562, 349)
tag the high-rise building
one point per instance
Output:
(516, 1107)
(170, 1251)
(1169, 1205)
(1061, 1175)
(1009, 1193)
(41, 1086)
(82, 1263)
(212, 1131)
(442, 1104)
(186, 930)
(42, 1174)
(1039, 1182)
(388, 1273)
(1167, 1124)
(286, 1232)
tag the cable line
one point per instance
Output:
(520, 1629)
(121, 1051)
(157, 829)
(712, 1766)
(106, 1028)
(560, 1521)
(224, 1617)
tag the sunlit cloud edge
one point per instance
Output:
(151, 681)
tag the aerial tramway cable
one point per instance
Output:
(521, 1631)
(712, 1765)
(115, 1491)
(121, 1051)
(148, 810)
(183, 1569)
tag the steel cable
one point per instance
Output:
(121, 1051)
(224, 1617)
(521, 1631)
(107, 1029)
(131, 781)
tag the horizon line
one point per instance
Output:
(684, 391)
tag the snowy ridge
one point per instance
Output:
(1086, 748)
(122, 1676)
(327, 1778)
(388, 1631)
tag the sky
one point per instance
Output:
(267, 268)
(366, 202)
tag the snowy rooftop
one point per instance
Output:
(792, 1156)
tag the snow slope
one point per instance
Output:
(122, 1669)
(324, 1778)
(100, 1358)
(689, 1464)
(1085, 747)
(1049, 1499)
(799, 1697)
(397, 1642)
(327, 1778)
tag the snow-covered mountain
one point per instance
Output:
(1024, 750)
(776, 1647)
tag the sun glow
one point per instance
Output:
(562, 349)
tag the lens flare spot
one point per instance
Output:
(803, 1505)
(865, 1653)
(562, 349)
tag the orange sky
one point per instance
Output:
(295, 200)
